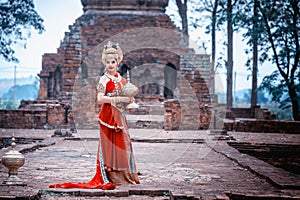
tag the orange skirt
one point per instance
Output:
(115, 160)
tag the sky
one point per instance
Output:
(58, 15)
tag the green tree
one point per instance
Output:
(229, 64)
(254, 38)
(248, 19)
(274, 28)
(230, 13)
(8, 104)
(261, 97)
(212, 7)
(17, 18)
(281, 21)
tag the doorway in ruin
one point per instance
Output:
(170, 78)
(154, 71)
(55, 83)
(156, 82)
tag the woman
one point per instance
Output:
(115, 160)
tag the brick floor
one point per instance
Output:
(191, 165)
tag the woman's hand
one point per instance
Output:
(127, 99)
(131, 100)
(101, 98)
(122, 99)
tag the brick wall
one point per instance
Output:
(78, 58)
(50, 62)
(186, 115)
(266, 126)
(23, 119)
(259, 113)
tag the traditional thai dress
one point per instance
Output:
(115, 161)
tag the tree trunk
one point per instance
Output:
(182, 8)
(229, 55)
(284, 69)
(255, 61)
(213, 48)
(293, 94)
(295, 104)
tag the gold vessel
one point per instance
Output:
(13, 160)
(132, 105)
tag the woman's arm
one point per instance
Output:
(101, 98)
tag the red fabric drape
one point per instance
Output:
(96, 183)
(114, 151)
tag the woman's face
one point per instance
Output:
(111, 66)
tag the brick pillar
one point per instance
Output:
(72, 57)
(43, 86)
(56, 115)
(172, 114)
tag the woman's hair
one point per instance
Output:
(112, 50)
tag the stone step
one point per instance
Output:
(156, 109)
(145, 121)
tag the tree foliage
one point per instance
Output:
(8, 105)
(281, 21)
(222, 12)
(275, 28)
(17, 18)
(262, 97)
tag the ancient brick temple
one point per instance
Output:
(156, 56)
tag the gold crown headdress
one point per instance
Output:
(112, 50)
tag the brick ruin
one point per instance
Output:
(169, 75)
(155, 55)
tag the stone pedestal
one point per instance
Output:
(13, 160)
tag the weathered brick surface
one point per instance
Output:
(22, 118)
(191, 115)
(259, 113)
(186, 170)
(149, 40)
(266, 126)
(172, 114)
(50, 62)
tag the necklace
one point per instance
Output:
(116, 80)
